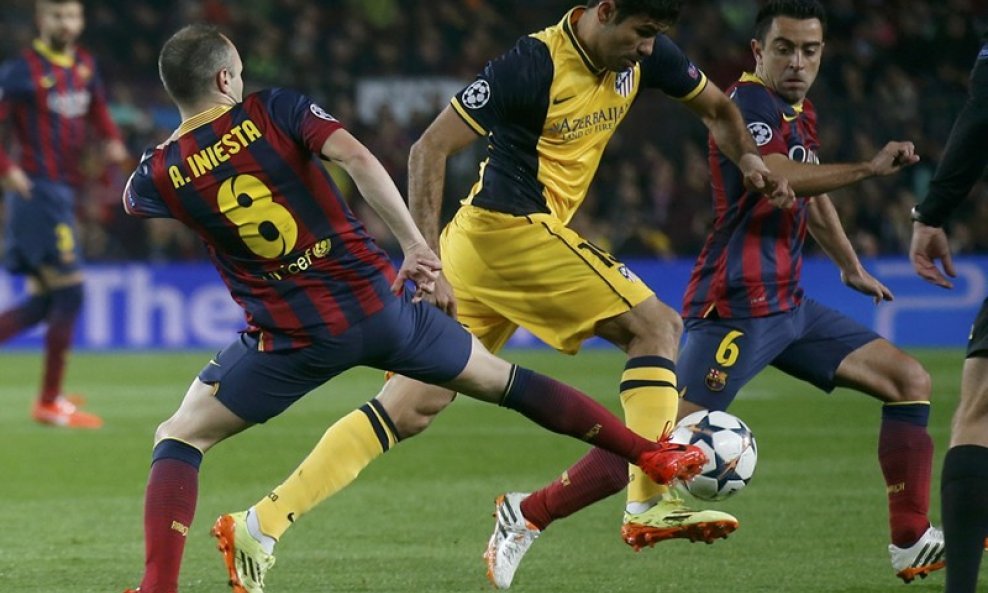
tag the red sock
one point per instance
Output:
(597, 475)
(905, 452)
(24, 316)
(562, 409)
(65, 306)
(169, 506)
(58, 339)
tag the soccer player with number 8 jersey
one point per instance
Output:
(320, 297)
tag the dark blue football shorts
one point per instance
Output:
(42, 231)
(722, 355)
(416, 340)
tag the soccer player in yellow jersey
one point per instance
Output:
(547, 109)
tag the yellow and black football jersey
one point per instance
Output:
(548, 112)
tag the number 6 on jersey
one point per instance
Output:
(728, 351)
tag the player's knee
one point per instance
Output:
(163, 431)
(671, 324)
(914, 383)
(412, 424)
(180, 429)
(660, 322)
(415, 419)
(412, 406)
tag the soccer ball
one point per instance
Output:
(730, 449)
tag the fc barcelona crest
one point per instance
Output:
(716, 380)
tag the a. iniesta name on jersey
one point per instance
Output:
(210, 157)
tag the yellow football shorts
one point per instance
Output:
(532, 271)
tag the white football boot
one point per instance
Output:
(512, 537)
(919, 559)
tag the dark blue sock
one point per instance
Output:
(172, 449)
(916, 413)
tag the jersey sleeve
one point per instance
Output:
(7, 81)
(140, 197)
(304, 120)
(99, 112)
(813, 135)
(669, 70)
(512, 89)
(762, 116)
(965, 155)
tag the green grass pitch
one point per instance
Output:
(813, 519)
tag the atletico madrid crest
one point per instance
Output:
(624, 82)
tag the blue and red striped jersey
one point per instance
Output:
(751, 261)
(51, 99)
(249, 180)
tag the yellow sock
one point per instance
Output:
(650, 402)
(346, 448)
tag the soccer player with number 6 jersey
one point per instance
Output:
(246, 174)
(744, 308)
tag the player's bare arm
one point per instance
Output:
(811, 179)
(727, 126)
(421, 265)
(446, 135)
(825, 227)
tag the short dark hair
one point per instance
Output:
(665, 11)
(38, 4)
(797, 9)
(191, 58)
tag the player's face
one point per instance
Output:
(60, 23)
(624, 44)
(788, 60)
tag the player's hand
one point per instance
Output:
(17, 181)
(894, 157)
(421, 266)
(115, 152)
(442, 297)
(928, 245)
(860, 280)
(758, 177)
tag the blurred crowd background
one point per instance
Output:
(892, 70)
